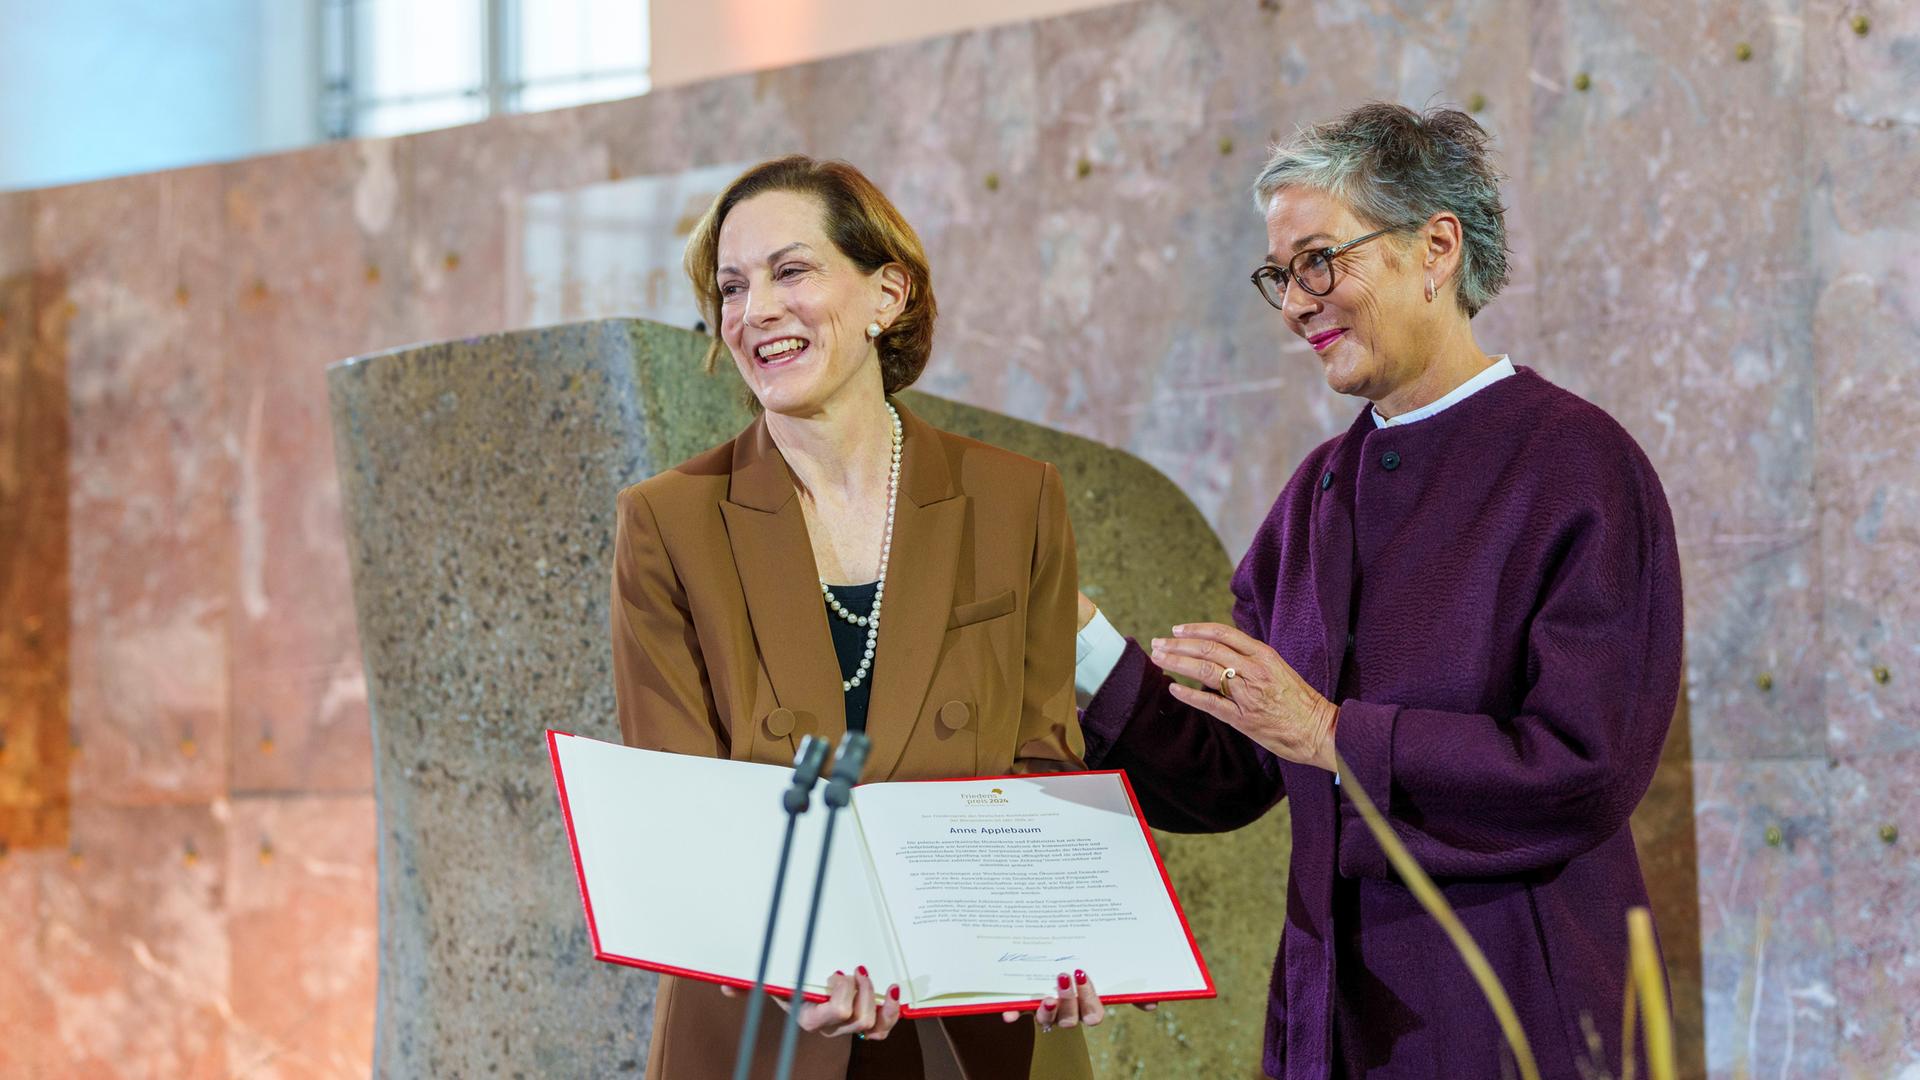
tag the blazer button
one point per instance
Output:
(780, 723)
(1326, 481)
(954, 715)
(1390, 460)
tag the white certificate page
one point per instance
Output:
(676, 856)
(994, 887)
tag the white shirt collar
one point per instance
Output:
(1499, 369)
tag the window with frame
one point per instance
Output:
(396, 66)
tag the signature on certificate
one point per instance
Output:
(1032, 958)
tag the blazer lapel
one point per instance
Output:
(929, 520)
(768, 535)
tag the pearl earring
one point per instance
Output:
(873, 329)
(1429, 290)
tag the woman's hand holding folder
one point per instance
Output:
(852, 1007)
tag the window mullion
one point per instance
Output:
(502, 67)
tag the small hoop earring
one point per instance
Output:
(873, 328)
(1429, 290)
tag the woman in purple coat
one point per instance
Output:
(1473, 595)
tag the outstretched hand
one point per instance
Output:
(1254, 691)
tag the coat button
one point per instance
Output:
(1327, 480)
(955, 715)
(780, 723)
(1390, 460)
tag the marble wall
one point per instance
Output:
(1716, 239)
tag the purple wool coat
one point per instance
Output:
(1492, 598)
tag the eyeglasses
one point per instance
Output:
(1313, 269)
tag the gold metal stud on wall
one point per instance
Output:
(266, 851)
(1226, 144)
(181, 295)
(1861, 25)
(1889, 833)
(1881, 674)
(1774, 837)
(373, 273)
(1764, 681)
(1082, 169)
(1743, 52)
(451, 260)
(993, 181)
(1582, 82)
(189, 854)
(1476, 103)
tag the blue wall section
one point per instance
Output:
(94, 88)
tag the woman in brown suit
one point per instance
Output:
(840, 564)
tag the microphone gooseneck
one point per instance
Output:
(848, 763)
(807, 763)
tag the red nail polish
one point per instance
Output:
(894, 991)
(1080, 976)
(837, 971)
(1064, 983)
(862, 969)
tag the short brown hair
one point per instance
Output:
(861, 222)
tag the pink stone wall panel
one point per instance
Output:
(301, 918)
(134, 946)
(152, 476)
(1863, 109)
(1876, 894)
(1766, 925)
(1755, 672)
(1672, 286)
(318, 257)
(26, 1008)
(1677, 241)
(1864, 116)
(955, 150)
(458, 230)
(1868, 324)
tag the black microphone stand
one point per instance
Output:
(848, 764)
(806, 772)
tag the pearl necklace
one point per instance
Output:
(871, 620)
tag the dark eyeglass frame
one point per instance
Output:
(1285, 276)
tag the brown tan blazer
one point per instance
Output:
(721, 648)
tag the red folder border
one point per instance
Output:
(910, 1012)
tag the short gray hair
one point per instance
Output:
(1394, 169)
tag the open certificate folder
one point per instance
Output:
(971, 894)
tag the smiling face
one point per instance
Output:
(1369, 330)
(794, 310)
